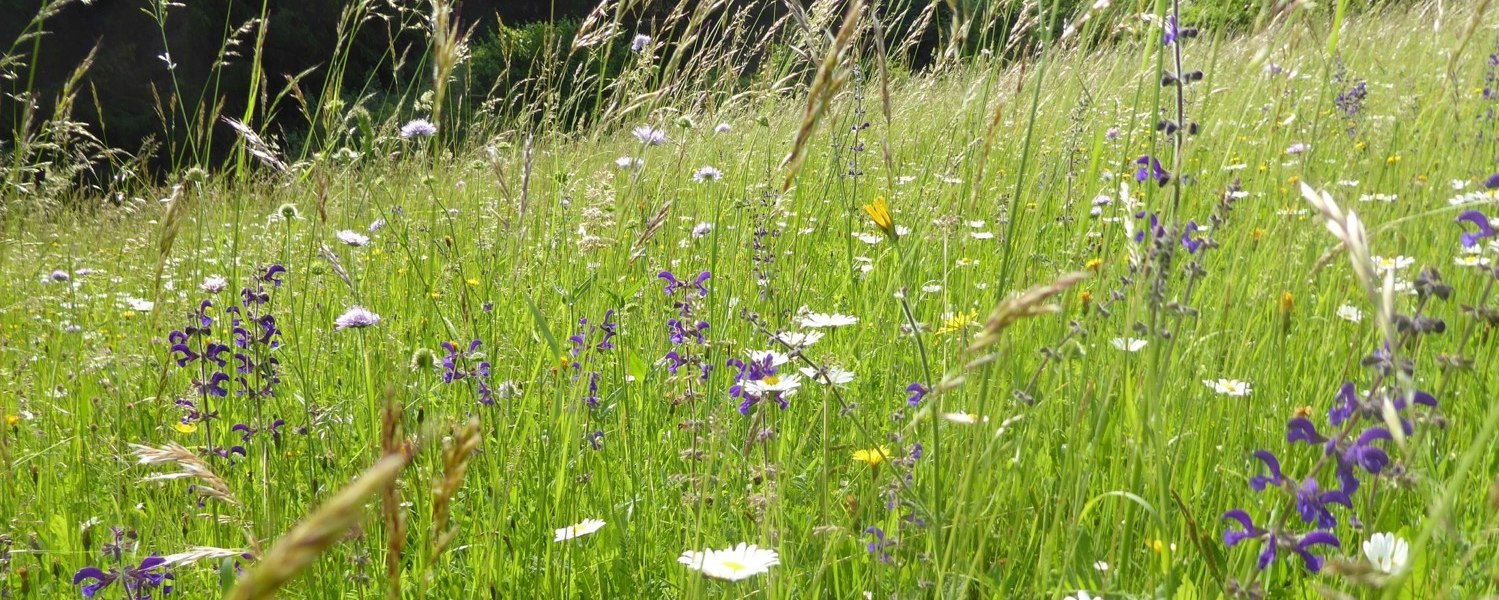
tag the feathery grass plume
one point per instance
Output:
(446, 49)
(824, 86)
(1031, 303)
(198, 553)
(189, 465)
(338, 267)
(319, 531)
(257, 146)
(882, 60)
(456, 455)
(392, 442)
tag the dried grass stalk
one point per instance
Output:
(455, 459)
(318, 532)
(390, 496)
(190, 467)
(824, 86)
(1029, 304)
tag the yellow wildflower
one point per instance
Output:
(1094, 264)
(957, 322)
(185, 427)
(872, 456)
(879, 212)
(12, 420)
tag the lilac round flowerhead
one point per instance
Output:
(59, 276)
(357, 317)
(1112, 134)
(640, 42)
(702, 229)
(416, 128)
(352, 238)
(649, 136)
(707, 174)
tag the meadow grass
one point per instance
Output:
(1087, 466)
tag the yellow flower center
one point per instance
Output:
(734, 566)
(772, 380)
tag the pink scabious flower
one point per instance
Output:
(357, 317)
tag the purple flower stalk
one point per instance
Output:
(1479, 221)
(1150, 168)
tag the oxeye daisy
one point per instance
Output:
(576, 531)
(784, 385)
(1228, 387)
(799, 339)
(819, 320)
(1128, 344)
(732, 564)
(832, 375)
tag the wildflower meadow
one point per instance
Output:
(1102, 302)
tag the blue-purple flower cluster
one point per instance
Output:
(687, 330)
(140, 581)
(583, 342)
(468, 366)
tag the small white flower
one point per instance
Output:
(352, 238)
(819, 320)
(702, 229)
(981, 235)
(1348, 182)
(628, 163)
(733, 564)
(870, 238)
(576, 531)
(722, 128)
(1295, 149)
(1082, 595)
(1388, 554)
(835, 375)
(1128, 344)
(1458, 184)
(1350, 313)
(1228, 387)
(1101, 566)
(931, 288)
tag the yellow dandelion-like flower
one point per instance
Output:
(1094, 264)
(1392, 159)
(12, 420)
(872, 456)
(376, 252)
(1258, 234)
(185, 427)
(1286, 302)
(1361, 146)
(879, 212)
(1293, 180)
(436, 295)
(473, 282)
(957, 322)
(1421, 178)
(1303, 412)
(1086, 297)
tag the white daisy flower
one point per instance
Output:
(1392, 263)
(981, 235)
(1128, 344)
(137, 304)
(576, 531)
(1388, 554)
(1228, 387)
(629, 162)
(835, 375)
(776, 359)
(799, 339)
(784, 385)
(733, 564)
(820, 320)
(869, 238)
